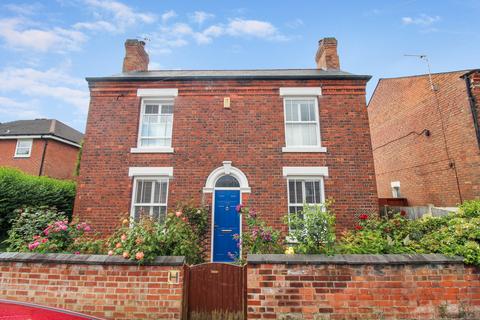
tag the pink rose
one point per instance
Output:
(110, 252)
(178, 213)
(118, 245)
(139, 255)
(44, 240)
(126, 255)
(123, 237)
(77, 252)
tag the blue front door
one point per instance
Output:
(226, 224)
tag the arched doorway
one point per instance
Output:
(226, 184)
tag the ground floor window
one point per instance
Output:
(304, 191)
(150, 197)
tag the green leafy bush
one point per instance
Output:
(180, 235)
(30, 222)
(258, 238)
(453, 234)
(313, 229)
(46, 230)
(19, 189)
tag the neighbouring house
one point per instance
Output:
(41, 147)
(271, 139)
(426, 137)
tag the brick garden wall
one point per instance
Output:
(362, 287)
(102, 286)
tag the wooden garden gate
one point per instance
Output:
(215, 291)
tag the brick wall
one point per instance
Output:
(102, 286)
(346, 287)
(250, 134)
(30, 165)
(59, 162)
(427, 173)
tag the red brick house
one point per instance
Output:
(272, 139)
(426, 137)
(42, 147)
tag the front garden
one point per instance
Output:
(185, 232)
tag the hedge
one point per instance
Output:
(18, 189)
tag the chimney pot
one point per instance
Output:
(327, 57)
(136, 58)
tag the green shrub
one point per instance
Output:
(179, 235)
(258, 238)
(45, 230)
(453, 234)
(313, 229)
(19, 189)
(30, 222)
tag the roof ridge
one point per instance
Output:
(52, 126)
(426, 74)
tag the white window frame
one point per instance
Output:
(29, 150)
(395, 185)
(148, 173)
(155, 95)
(160, 179)
(289, 95)
(303, 179)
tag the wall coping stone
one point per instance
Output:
(89, 259)
(353, 259)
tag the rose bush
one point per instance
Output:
(454, 234)
(182, 234)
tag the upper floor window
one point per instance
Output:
(156, 123)
(301, 122)
(24, 148)
(156, 120)
(302, 125)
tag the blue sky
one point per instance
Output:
(49, 47)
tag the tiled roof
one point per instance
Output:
(41, 127)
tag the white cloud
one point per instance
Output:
(180, 34)
(114, 16)
(168, 15)
(422, 20)
(18, 34)
(201, 16)
(13, 109)
(96, 26)
(24, 9)
(51, 83)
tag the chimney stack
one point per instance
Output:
(327, 57)
(136, 58)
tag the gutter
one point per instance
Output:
(38, 136)
(473, 106)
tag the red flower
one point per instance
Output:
(403, 213)
(358, 227)
(363, 216)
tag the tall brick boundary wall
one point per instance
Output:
(101, 286)
(362, 287)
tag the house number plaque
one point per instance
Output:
(173, 276)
